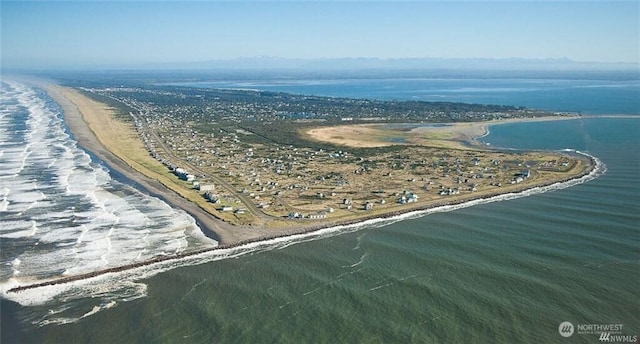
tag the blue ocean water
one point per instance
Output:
(502, 272)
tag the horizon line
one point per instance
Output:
(355, 63)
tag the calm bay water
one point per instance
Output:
(602, 96)
(504, 272)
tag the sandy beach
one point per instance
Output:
(82, 115)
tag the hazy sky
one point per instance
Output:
(84, 33)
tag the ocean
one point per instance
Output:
(61, 211)
(499, 272)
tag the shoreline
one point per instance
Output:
(227, 235)
(87, 140)
(598, 169)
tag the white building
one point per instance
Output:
(207, 187)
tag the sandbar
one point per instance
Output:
(441, 135)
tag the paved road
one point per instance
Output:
(260, 216)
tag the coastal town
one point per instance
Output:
(319, 171)
(254, 166)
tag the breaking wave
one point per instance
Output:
(61, 213)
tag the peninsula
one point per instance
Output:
(252, 166)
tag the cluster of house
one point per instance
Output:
(184, 175)
(228, 209)
(296, 215)
(225, 151)
(520, 177)
(314, 216)
(212, 197)
(407, 197)
(553, 164)
(449, 191)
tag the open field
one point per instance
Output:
(441, 135)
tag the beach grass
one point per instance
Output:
(121, 139)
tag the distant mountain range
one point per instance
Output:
(265, 67)
(267, 62)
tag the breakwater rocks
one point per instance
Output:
(596, 168)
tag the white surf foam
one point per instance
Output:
(117, 283)
(77, 218)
